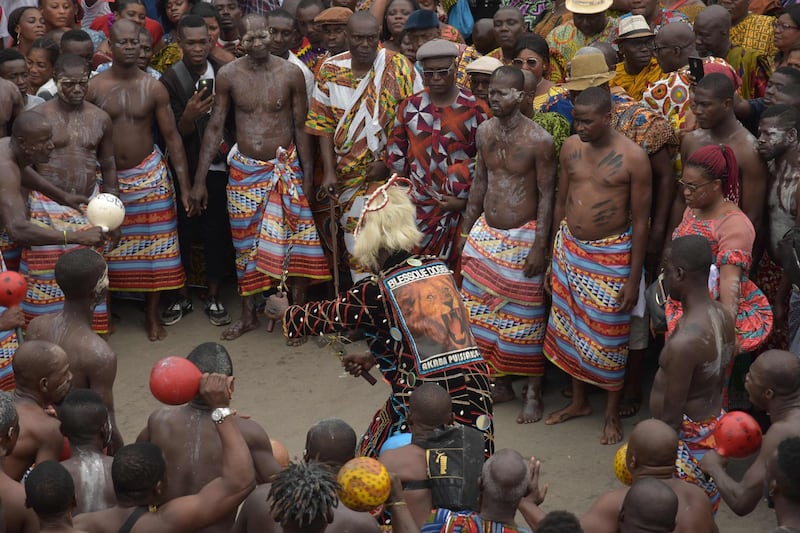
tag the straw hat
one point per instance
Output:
(588, 70)
(588, 7)
(633, 27)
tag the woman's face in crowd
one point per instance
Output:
(31, 25)
(40, 69)
(396, 16)
(58, 13)
(136, 13)
(213, 29)
(176, 9)
(532, 62)
(786, 32)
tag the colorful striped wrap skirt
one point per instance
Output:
(506, 308)
(39, 262)
(268, 213)
(8, 347)
(147, 258)
(695, 439)
(587, 336)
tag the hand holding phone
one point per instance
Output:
(206, 86)
(696, 68)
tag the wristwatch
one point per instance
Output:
(219, 414)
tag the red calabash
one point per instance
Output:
(738, 435)
(174, 380)
(12, 288)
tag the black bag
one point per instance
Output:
(455, 458)
(655, 299)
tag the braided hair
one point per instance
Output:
(303, 493)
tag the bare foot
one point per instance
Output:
(629, 407)
(502, 391)
(155, 331)
(570, 411)
(531, 407)
(239, 328)
(612, 431)
(297, 341)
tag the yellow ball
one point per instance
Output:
(364, 484)
(620, 467)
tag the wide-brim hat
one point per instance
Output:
(633, 27)
(588, 7)
(588, 70)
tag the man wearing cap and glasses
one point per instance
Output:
(353, 112)
(639, 69)
(433, 144)
(479, 72)
(590, 23)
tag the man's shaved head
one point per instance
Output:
(431, 406)
(675, 34)
(530, 81)
(597, 98)
(717, 85)
(123, 26)
(511, 74)
(649, 506)
(362, 21)
(510, 10)
(29, 124)
(505, 477)
(780, 371)
(331, 441)
(36, 362)
(653, 444)
(252, 21)
(713, 17)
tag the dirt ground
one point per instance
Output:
(287, 390)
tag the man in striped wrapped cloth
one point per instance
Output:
(509, 212)
(269, 213)
(147, 258)
(73, 168)
(603, 204)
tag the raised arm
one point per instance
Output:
(222, 495)
(212, 136)
(545, 182)
(302, 140)
(21, 230)
(177, 155)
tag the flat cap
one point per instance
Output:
(484, 65)
(333, 15)
(421, 19)
(437, 48)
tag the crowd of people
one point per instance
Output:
(482, 191)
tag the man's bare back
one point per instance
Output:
(18, 518)
(262, 116)
(188, 438)
(410, 464)
(77, 136)
(599, 185)
(513, 159)
(698, 351)
(694, 510)
(91, 472)
(39, 440)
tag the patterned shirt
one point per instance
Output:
(261, 7)
(532, 10)
(335, 90)
(446, 521)
(435, 148)
(643, 126)
(469, 55)
(753, 68)
(566, 40)
(636, 84)
(756, 33)
(668, 16)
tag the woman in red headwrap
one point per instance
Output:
(710, 184)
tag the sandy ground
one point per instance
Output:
(287, 390)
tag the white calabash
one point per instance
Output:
(106, 210)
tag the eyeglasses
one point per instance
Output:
(441, 73)
(782, 27)
(691, 187)
(519, 62)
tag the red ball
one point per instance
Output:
(738, 435)
(174, 380)
(12, 288)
